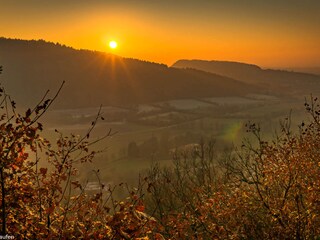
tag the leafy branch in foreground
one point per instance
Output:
(263, 190)
(50, 203)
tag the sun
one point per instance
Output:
(113, 44)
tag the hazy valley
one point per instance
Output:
(160, 120)
(153, 108)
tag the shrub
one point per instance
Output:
(263, 190)
(38, 202)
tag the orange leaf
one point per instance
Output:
(43, 171)
(140, 208)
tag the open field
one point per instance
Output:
(156, 128)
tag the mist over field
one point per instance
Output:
(152, 108)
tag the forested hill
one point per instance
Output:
(94, 78)
(276, 81)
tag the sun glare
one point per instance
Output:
(113, 44)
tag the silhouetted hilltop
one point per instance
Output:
(279, 81)
(94, 78)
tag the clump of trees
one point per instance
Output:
(261, 190)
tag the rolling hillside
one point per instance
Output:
(94, 78)
(274, 81)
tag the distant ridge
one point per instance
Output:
(92, 78)
(224, 68)
(276, 81)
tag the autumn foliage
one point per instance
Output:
(260, 190)
(49, 202)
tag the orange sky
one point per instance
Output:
(273, 33)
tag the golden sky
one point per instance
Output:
(270, 33)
